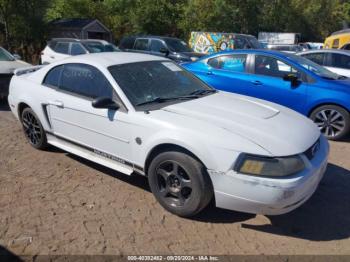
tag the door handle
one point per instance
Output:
(56, 103)
(52, 57)
(257, 83)
(210, 73)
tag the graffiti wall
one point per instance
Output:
(209, 42)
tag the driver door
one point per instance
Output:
(268, 83)
(103, 131)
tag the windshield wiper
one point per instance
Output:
(342, 77)
(203, 91)
(165, 99)
(328, 78)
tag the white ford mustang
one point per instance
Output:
(144, 114)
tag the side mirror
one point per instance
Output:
(105, 102)
(164, 51)
(292, 78)
(17, 56)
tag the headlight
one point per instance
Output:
(270, 167)
(193, 58)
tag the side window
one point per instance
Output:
(318, 58)
(52, 78)
(234, 63)
(62, 48)
(335, 43)
(141, 44)
(85, 80)
(77, 49)
(270, 66)
(156, 45)
(127, 43)
(339, 60)
(239, 43)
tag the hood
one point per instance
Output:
(7, 67)
(277, 129)
(188, 56)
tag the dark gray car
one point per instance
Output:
(173, 48)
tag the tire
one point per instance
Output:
(333, 121)
(33, 130)
(180, 183)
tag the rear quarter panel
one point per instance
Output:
(24, 90)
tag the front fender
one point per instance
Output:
(214, 158)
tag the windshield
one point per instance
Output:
(313, 67)
(144, 82)
(177, 45)
(96, 47)
(5, 56)
(254, 43)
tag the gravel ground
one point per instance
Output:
(55, 203)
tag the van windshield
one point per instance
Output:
(177, 45)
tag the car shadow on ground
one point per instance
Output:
(324, 217)
(6, 255)
(210, 214)
(4, 106)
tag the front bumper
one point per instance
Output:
(269, 196)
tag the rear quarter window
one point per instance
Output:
(127, 43)
(53, 77)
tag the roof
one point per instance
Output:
(107, 59)
(337, 51)
(344, 31)
(151, 36)
(73, 22)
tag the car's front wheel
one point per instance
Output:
(33, 130)
(180, 183)
(333, 121)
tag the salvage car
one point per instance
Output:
(282, 78)
(8, 63)
(137, 113)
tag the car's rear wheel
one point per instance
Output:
(180, 183)
(333, 121)
(33, 130)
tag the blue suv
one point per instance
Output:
(283, 78)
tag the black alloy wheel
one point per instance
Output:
(33, 129)
(180, 183)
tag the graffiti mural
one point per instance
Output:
(208, 42)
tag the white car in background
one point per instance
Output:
(137, 113)
(60, 48)
(8, 63)
(335, 60)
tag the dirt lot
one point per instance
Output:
(56, 203)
